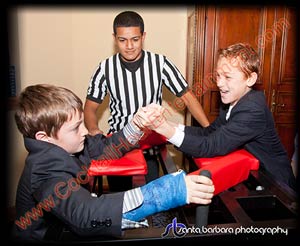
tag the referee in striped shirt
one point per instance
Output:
(134, 77)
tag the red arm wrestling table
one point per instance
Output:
(132, 163)
(228, 170)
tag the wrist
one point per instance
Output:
(132, 132)
(166, 130)
(95, 131)
(135, 126)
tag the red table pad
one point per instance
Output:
(228, 170)
(132, 163)
(150, 139)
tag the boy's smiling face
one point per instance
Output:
(231, 81)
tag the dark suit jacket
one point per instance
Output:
(250, 126)
(52, 189)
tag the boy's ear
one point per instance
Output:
(144, 36)
(252, 79)
(41, 135)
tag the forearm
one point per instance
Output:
(199, 115)
(166, 129)
(195, 108)
(170, 191)
(156, 199)
(91, 124)
(90, 117)
(172, 131)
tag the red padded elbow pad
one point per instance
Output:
(151, 139)
(132, 163)
(227, 170)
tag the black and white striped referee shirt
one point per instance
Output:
(130, 90)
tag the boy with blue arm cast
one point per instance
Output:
(53, 190)
(244, 121)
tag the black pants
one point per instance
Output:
(153, 167)
(119, 183)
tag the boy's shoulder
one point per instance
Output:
(258, 95)
(255, 97)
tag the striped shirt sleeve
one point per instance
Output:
(97, 88)
(173, 79)
(132, 199)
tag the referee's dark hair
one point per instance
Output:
(128, 19)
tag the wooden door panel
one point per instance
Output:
(215, 101)
(238, 24)
(284, 107)
(284, 45)
(283, 86)
(287, 136)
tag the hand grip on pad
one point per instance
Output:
(202, 210)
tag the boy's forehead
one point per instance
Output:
(228, 64)
(128, 32)
(74, 115)
(73, 120)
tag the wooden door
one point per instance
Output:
(271, 31)
(282, 92)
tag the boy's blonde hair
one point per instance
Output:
(44, 107)
(248, 58)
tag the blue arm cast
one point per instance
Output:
(164, 193)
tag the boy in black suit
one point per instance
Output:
(52, 191)
(244, 121)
